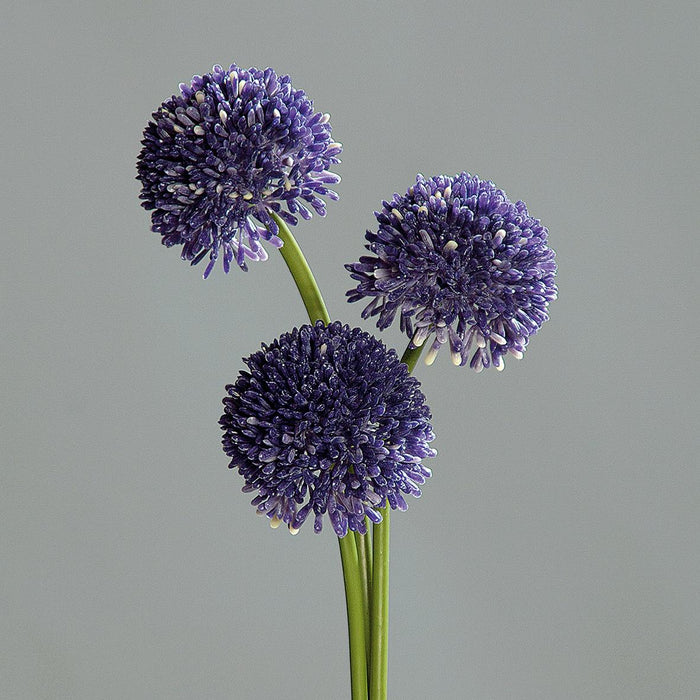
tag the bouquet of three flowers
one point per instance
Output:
(326, 422)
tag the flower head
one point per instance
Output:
(327, 420)
(459, 261)
(232, 147)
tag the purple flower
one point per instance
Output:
(234, 146)
(327, 420)
(459, 261)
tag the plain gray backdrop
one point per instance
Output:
(554, 554)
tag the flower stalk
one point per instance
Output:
(356, 584)
(363, 544)
(379, 644)
(379, 606)
(301, 273)
(357, 617)
(365, 567)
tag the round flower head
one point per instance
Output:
(327, 420)
(461, 263)
(232, 147)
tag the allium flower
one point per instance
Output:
(235, 145)
(327, 420)
(459, 261)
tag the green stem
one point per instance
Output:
(379, 644)
(364, 559)
(379, 605)
(355, 603)
(355, 583)
(368, 551)
(301, 272)
(410, 356)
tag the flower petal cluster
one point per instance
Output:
(234, 146)
(327, 420)
(462, 264)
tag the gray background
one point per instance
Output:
(554, 553)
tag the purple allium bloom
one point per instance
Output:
(235, 145)
(459, 261)
(326, 419)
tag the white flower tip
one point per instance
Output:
(431, 355)
(456, 358)
(293, 530)
(419, 337)
(275, 522)
(450, 245)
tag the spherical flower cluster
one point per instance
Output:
(234, 146)
(327, 420)
(459, 261)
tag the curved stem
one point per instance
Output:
(355, 583)
(301, 272)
